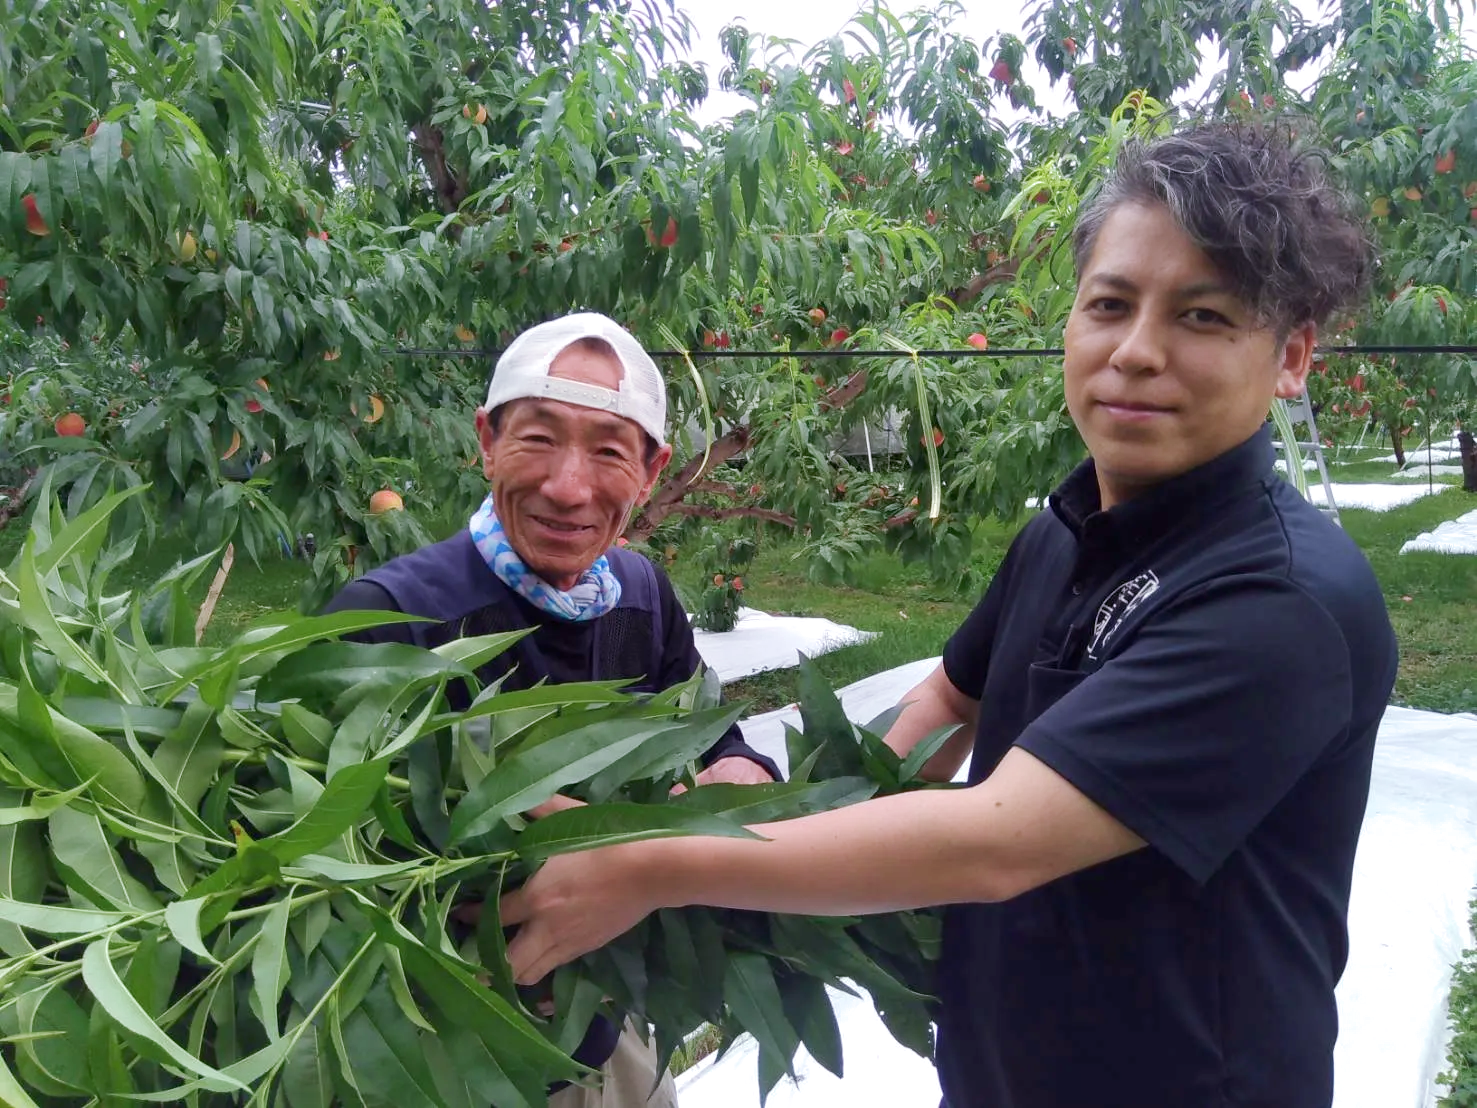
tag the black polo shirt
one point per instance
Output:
(1209, 662)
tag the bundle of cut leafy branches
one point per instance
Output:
(227, 873)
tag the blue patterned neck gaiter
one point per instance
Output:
(596, 592)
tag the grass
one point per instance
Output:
(1460, 1080)
(912, 614)
(1432, 599)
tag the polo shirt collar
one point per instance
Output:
(1077, 499)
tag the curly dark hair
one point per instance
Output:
(1264, 210)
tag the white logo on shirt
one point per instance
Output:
(1126, 597)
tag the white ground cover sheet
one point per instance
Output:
(1455, 536)
(760, 641)
(1413, 877)
(1374, 498)
(1446, 451)
(1418, 472)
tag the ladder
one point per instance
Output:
(1297, 437)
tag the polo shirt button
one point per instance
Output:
(1076, 588)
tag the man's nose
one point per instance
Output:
(1141, 347)
(569, 481)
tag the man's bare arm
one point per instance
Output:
(935, 702)
(1023, 826)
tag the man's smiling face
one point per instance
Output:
(566, 478)
(1165, 366)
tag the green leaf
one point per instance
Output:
(540, 696)
(750, 991)
(189, 757)
(593, 825)
(400, 990)
(927, 747)
(23, 874)
(428, 792)
(486, 1077)
(107, 151)
(113, 997)
(53, 920)
(82, 530)
(53, 1066)
(668, 750)
(11, 1093)
(749, 188)
(809, 1010)
(113, 717)
(86, 859)
(269, 964)
(576, 1000)
(207, 57)
(477, 650)
(751, 804)
(292, 637)
(37, 615)
(183, 918)
(458, 994)
(326, 670)
(307, 1078)
(344, 802)
(40, 806)
(349, 873)
(172, 866)
(68, 748)
(826, 724)
(385, 1052)
(308, 733)
(392, 821)
(530, 777)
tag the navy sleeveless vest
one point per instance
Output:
(449, 582)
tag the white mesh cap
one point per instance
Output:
(522, 373)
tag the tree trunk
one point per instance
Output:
(1398, 443)
(1469, 459)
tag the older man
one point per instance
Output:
(1170, 692)
(573, 437)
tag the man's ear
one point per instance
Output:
(1297, 360)
(485, 438)
(653, 471)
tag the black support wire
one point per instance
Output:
(968, 352)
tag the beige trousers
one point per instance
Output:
(625, 1080)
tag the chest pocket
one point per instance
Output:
(1048, 683)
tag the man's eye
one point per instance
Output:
(1107, 304)
(1207, 316)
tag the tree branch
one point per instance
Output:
(722, 488)
(678, 485)
(995, 275)
(707, 511)
(844, 393)
(449, 188)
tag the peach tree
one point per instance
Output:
(275, 208)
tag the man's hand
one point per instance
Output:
(556, 803)
(734, 770)
(574, 904)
